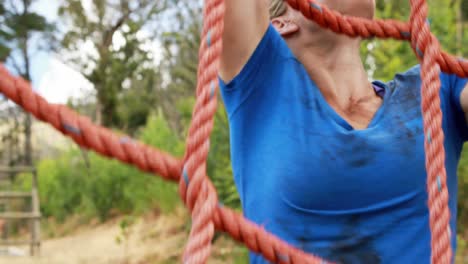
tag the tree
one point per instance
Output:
(384, 58)
(181, 43)
(464, 9)
(10, 153)
(4, 49)
(111, 66)
(19, 27)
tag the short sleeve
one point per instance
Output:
(454, 86)
(264, 60)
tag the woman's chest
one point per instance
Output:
(320, 166)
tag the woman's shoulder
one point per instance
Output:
(413, 77)
(409, 80)
(411, 73)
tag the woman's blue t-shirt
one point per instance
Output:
(304, 174)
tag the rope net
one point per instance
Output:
(195, 188)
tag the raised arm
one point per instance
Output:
(246, 21)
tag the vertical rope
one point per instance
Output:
(194, 187)
(427, 49)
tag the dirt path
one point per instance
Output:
(159, 240)
(151, 240)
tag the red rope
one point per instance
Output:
(427, 48)
(196, 189)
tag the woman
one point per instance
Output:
(322, 158)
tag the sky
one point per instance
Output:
(51, 77)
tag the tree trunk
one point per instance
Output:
(27, 121)
(98, 112)
(27, 144)
(27, 75)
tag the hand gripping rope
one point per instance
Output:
(196, 189)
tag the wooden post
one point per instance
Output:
(36, 222)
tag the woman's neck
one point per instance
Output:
(338, 72)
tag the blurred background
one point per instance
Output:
(131, 66)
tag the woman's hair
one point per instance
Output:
(277, 8)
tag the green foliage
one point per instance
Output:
(463, 192)
(242, 256)
(464, 9)
(166, 139)
(384, 58)
(462, 248)
(219, 162)
(68, 186)
(123, 73)
(100, 187)
(125, 232)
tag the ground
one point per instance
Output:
(150, 240)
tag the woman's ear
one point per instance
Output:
(284, 26)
